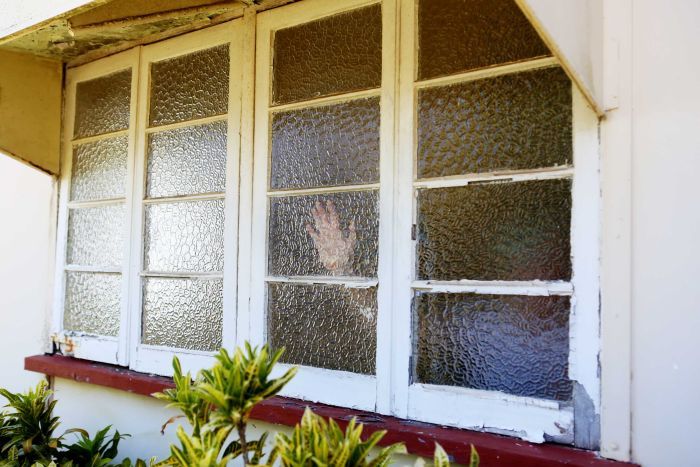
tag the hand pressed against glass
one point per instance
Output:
(335, 247)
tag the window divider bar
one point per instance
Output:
(322, 190)
(349, 282)
(100, 269)
(490, 72)
(540, 288)
(95, 203)
(183, 275)
(177, 199)
(547, 173)
(103, 136)
(186, 124)
(327, 100)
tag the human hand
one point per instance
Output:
(334, 247)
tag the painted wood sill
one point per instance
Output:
(419, 438)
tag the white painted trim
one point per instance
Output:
(340, 388)
(503, 175)
(539, 288)
(158, 359)
(98, 348)
(616, 237)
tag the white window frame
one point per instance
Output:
(246, 198)
(101, 349)
(126, 349)
(316, 384)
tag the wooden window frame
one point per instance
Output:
(390, 392)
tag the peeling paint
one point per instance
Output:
(586, 419)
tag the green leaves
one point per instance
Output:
(317, 442)
(441, 459)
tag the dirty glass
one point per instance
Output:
(510, 122)
(183, 313)
(333, 55)
(296, 220)
(102, 105)
(184, 236)
(329, 145)
(325, 326)
(99, 169)
(515, 344)
(92, 303)
(461, 35)
(95, 235)
(190, 86)
(495, 231)
(187, 161)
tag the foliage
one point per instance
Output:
(441, 459)
(27, 435)
(320, 443)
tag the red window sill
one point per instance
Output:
(419, 438)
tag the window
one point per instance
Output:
(413, 219)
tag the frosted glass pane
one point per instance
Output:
(517, 121)
(332, 55)
(502, 231)
(92, 303)
(95, 235)
(460, 35)
(307, 238)
(326, 146)
(102, 105)
(518, 345)
(99, 169)
(183, 313)
(187, 161)
(325, 326)
(184, 236)
(189, 87)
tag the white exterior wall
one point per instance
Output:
(25, 250)
(665, 256)
(665, 232)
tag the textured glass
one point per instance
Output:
(187, 161)
(93, 303)
(333, 55)
(460, 35)
(95, 235)
(326, 146)
(102, 105)
(498, 231)
(183, 313)
(516, 121)
(189, 87)
(184, 236)
(99, 169)
(325, 326)
(514, 344)
(292, 250)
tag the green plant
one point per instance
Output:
(220, 401)
(317, 442)
(441, 459)
(27, 435)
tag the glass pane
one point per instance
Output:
(460, 35)
(189, 87)
(517, 121)
(99, 169)
(501, 231)
(333, 234)
(183, 313)
(184, 236)
(102, 105)
(333, 55)
(187, 161)
(325, 326)
(95, 235)
(517, 345)
(93, 303)
(326, 146)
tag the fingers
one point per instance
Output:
(332, 215)
(352, 233)
(319, 213)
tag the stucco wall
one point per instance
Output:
(25, 246)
